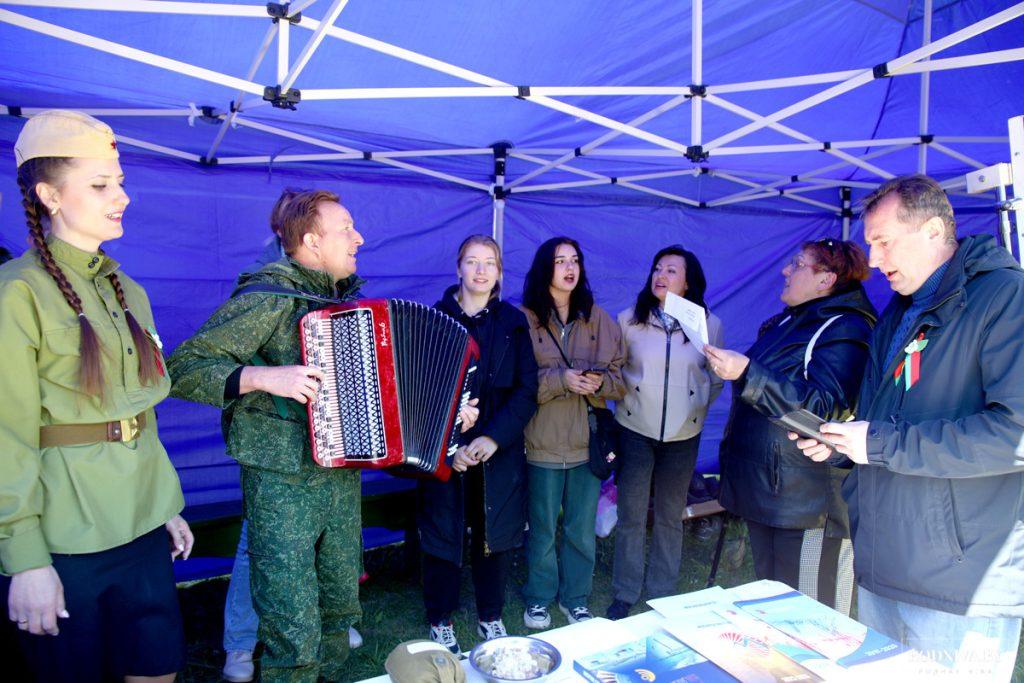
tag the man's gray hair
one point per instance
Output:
(920, 198)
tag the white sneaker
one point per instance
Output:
(444, 634)
(238, 667)
(536, 616)
(354, 639)
(576, 614)
(489, 630)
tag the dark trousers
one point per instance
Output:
(442, 578)
(670, 465)
(777, 556)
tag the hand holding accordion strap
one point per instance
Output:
(603, 429)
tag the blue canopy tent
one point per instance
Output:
(740, 129)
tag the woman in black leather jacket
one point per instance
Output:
(810, 356)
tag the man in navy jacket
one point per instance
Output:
(936, 495)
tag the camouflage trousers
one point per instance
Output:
(305, 548)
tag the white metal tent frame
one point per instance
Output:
(695, 154)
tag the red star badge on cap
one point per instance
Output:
(113, 144)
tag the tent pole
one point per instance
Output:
(922, 126)
(568, 156)
(152, 6)
(939, 147)
(229, 122)
(498, 223)
(786, 130)
(132, 53)
(696, 69)
(1016, 127)
(845, 199)
(283, 51)
(867, 76)
(307, 52)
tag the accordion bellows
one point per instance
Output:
(396, 374)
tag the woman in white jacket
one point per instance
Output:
(668, 390)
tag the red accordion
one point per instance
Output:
(396, 374)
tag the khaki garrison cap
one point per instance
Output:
(423, 661)
(63, 133)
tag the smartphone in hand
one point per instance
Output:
(805, 423)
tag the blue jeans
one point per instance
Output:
(670, 464)
(974, 648)
(240, 620)
(569, 574)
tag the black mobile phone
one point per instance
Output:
(595, 371)
(805, 423)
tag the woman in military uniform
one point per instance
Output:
(88, 496)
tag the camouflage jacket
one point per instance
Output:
(246, 327)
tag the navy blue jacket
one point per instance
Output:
(765, 477)
(506, 384)
(938, 513)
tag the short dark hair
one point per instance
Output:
(5, 255)
(537, 286)
(920, 198)
(299, 216)
(696, 284)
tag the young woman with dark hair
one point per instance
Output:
(811, 356)
(487, 491)
(668, 390)
(91, 496)
(565, 325)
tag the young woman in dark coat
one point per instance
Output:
(810, 356)
(487, 490)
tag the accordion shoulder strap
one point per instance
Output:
(280, 290)
(280, 404)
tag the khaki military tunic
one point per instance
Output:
(83, 498)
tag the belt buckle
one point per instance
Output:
(129, 428)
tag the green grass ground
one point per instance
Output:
(393, 604)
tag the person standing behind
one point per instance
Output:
(811, 356)
(88, 496)
(487, 490)
(668, 390)
(936, 495)
(565, 323)
(304, 520)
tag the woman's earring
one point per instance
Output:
(54, 211)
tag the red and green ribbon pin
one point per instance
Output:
(910, 367)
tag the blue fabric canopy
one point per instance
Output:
(192, 226)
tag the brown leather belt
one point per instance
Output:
(76, 435)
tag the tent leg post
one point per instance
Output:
(498, 223)
(844, 196)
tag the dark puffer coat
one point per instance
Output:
(506, 384)
(765, 477)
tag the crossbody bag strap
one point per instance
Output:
(809, 351)
(567, 363)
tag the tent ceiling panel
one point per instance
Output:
(396, 44)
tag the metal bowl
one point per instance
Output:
(498, 651)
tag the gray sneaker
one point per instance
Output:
(576, 614)
(536, 616)
(489, 630)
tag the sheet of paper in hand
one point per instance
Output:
(691, 317)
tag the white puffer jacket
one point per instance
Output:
(668, 383)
